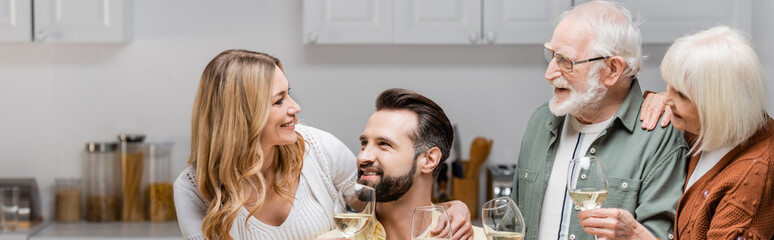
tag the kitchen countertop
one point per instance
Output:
(109, 230)
(22, 234)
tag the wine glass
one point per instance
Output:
(427, 218)
(502, 219)
(587, 183)
(360, 203)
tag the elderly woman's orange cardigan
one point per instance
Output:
(735, 199)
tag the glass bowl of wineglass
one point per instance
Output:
(360, 201)
(426, 219)
(502, 219)
(587, 183)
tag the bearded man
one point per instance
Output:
(593, 58)
(402, 148)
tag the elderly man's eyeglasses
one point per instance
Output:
(564, 63)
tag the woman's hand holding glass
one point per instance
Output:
(360, 206)
(460, 224)
(426, 219)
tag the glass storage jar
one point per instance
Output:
(161, 206)
(101, 181)
(68, 199)
(131, 176)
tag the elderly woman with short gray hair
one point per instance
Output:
(716, 93)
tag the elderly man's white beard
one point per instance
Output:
(578, 101)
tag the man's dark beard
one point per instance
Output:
(393, 188)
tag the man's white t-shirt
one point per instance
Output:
(574, 142)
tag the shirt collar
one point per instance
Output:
(629, 111)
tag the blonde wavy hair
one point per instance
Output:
(230, 111)
(718, 70)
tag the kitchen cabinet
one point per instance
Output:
(83, 20)
(429, 21)
(71, 21)
(15, 20)
(347, 21)
(667, 20)
(520, 21)
(437, 21)
(496, 21)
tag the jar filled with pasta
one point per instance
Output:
(132, 165)
(161, 206)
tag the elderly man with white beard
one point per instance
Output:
(594, 56)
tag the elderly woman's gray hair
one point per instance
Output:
(718, 70)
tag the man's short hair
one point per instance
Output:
(615, 32)
(433, 127)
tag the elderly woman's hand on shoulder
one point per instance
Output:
(652, 108)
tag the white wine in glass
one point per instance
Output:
(502, 219)
(360, 205)
(351, 223)
(588, 198)
(499, 235)
(587, 183)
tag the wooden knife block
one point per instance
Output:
(466, 190)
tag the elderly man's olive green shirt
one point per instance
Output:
(645, 169)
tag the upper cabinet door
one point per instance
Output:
(347, 21)
(497, 21)
(15, 20)
(437, 21)
(82, 20)
(521, 21)
(667, 20)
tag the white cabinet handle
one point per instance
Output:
(313, 37)
(41, 36)
(474, 37)
(491, 37)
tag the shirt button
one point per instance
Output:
(525, 175)
(577, 208)
(583, 176)
(624, 185)
(671, 236)
(572, 236)
(593, 150)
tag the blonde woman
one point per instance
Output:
(716, 93)
(254, 173)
